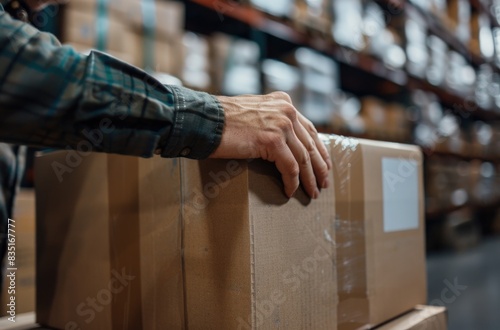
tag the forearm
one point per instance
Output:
(52, 96)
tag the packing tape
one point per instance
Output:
(124, 239)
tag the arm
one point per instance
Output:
(52, 96)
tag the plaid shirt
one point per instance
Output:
(54, 97)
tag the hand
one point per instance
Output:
(269, 127)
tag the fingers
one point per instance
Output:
(319, 144)
(303, 159)
(269, 127)
(288, 167)
(310, 153)
(319, 166)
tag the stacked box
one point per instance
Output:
(235, 65)
(313, 15)
(375, 116)
(118, 250)
(421, 318)
(459, 13)
(279, 76)
(380, 230)
(196, 70)
(319, 84)
(145, 33)
(128, 243)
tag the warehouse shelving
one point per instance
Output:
(388, 82)
(436, 214)
(479, 6)
(286, 31)
(439, 29)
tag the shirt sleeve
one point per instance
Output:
(52, 96)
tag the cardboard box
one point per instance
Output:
(253, 258)
(399, 125)
(125, 27)
(167, 16)
(380, 230)
(319, 78)
(375, 116)
(196, 68)
(421, 318)
(459, 13)
(108, 242)
(83, 27)
(234, 65)
(155, 55)
(115, 6)
(314, 16)
(238, 255)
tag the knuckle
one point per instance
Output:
(282, 95)
(285, 125)
(323, 172)
(294, 170)
(274, 141)
(290, 112)
(311, 128)
(306, 159)
(311, 146)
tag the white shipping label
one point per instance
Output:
(400, 192)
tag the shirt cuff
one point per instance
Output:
(198, 125)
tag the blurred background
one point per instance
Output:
(425, 72)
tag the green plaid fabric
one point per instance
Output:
(52, 96)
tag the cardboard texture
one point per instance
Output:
(252, 258)
(380, 230)
(108, 242)
(236, 253)
(421, 318)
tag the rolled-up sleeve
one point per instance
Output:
(52, 96)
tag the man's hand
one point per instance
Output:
(269, 127)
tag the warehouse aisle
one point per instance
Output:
(468, 284)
